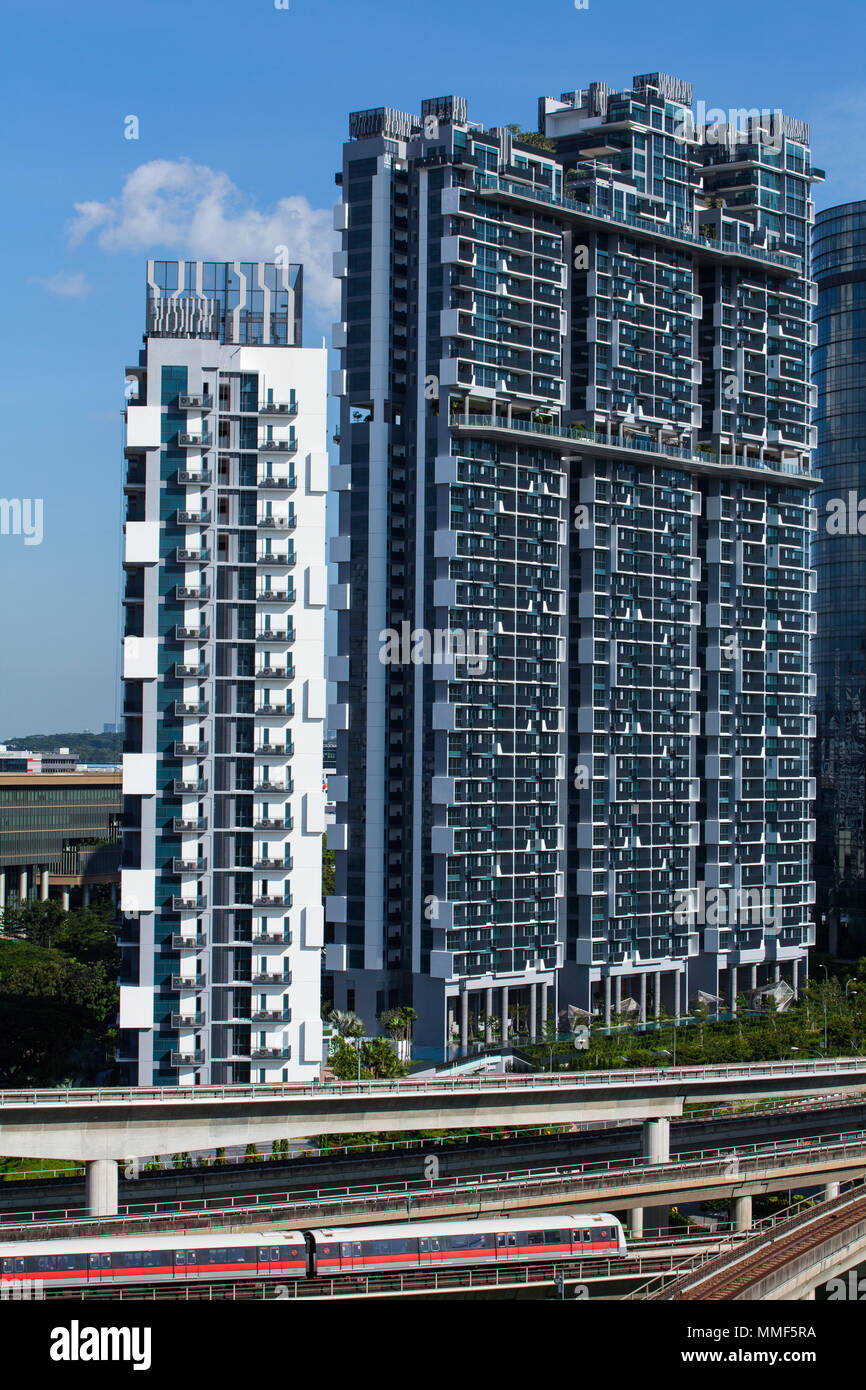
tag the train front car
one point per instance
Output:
(440, 1244)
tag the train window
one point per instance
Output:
(345, 1251)
(380, 1247)
(535, 1238)
(402, 1247)
(44, 1263)
(237, 1255)
(100, 1261)
(552, 1238)
(586, 1237)
(70, 1262)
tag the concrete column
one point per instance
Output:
(831, 1190)
(656, 1140)
(542, 1002)
(657, 994)
(533, 1013)
(449, 1022)
(742, 1213)
(617, 987)
(607, 1001)
(643, 997)
(795, 978)
(101, 1186)
(464, 1019)
(777, 973)
(732, 984)
(676, 995)
(504, 1016)
(43, 886)
(754, 977)
(65, 899)
(2, 889)
(22, 885)
(488, 1014)
(635, 1223)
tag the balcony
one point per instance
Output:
(275, 523)
(276, 595)
(271, 1016)
(189, 750)
(201, 478)
(202, 440)
(265, 1054)
(268, 786)
(179, 787)
(269, 823)
(187, 1059)
(280, 707)
(181, 904)
(279, 559)
(182, 826)
(275, 634)
(191, 634)
(278, 484)
(285, 673)
(188, 1020)
(274, 750)
(277, 446)
(185, 556)
(197, 593)
(271, 977)
(272, 900)
(182, 710)
(187, 982)
(272, 938)
(189, 867)
(193, 518)
(192, 671)
(195, 402)
(179, 942)
(278, 408)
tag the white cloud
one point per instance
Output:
(198, 212)
(73, 286)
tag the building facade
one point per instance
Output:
(840, 561)
(224, 684)
(573, 586)
(59, 836)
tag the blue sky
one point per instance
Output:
(242, 108)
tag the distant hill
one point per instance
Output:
(85, 748)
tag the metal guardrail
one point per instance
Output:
(793, 1217)
(539, 1081)
(700, 1163)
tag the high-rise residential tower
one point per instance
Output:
(573, 682)
(840, 561)
(224, 683)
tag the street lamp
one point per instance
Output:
(826, 989)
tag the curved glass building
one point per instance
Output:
(840, 560)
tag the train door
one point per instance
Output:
(185, 1263)
(268, 1256)
(98, 1268)
(429, 1250)
(506, 1245)
(350, 1255)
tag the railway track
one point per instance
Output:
(723, 1279)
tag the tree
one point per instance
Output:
(57, 1017)
(347, 1024)
(252, 1154)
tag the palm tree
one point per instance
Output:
(347, 1024)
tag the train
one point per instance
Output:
(310, 1254)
